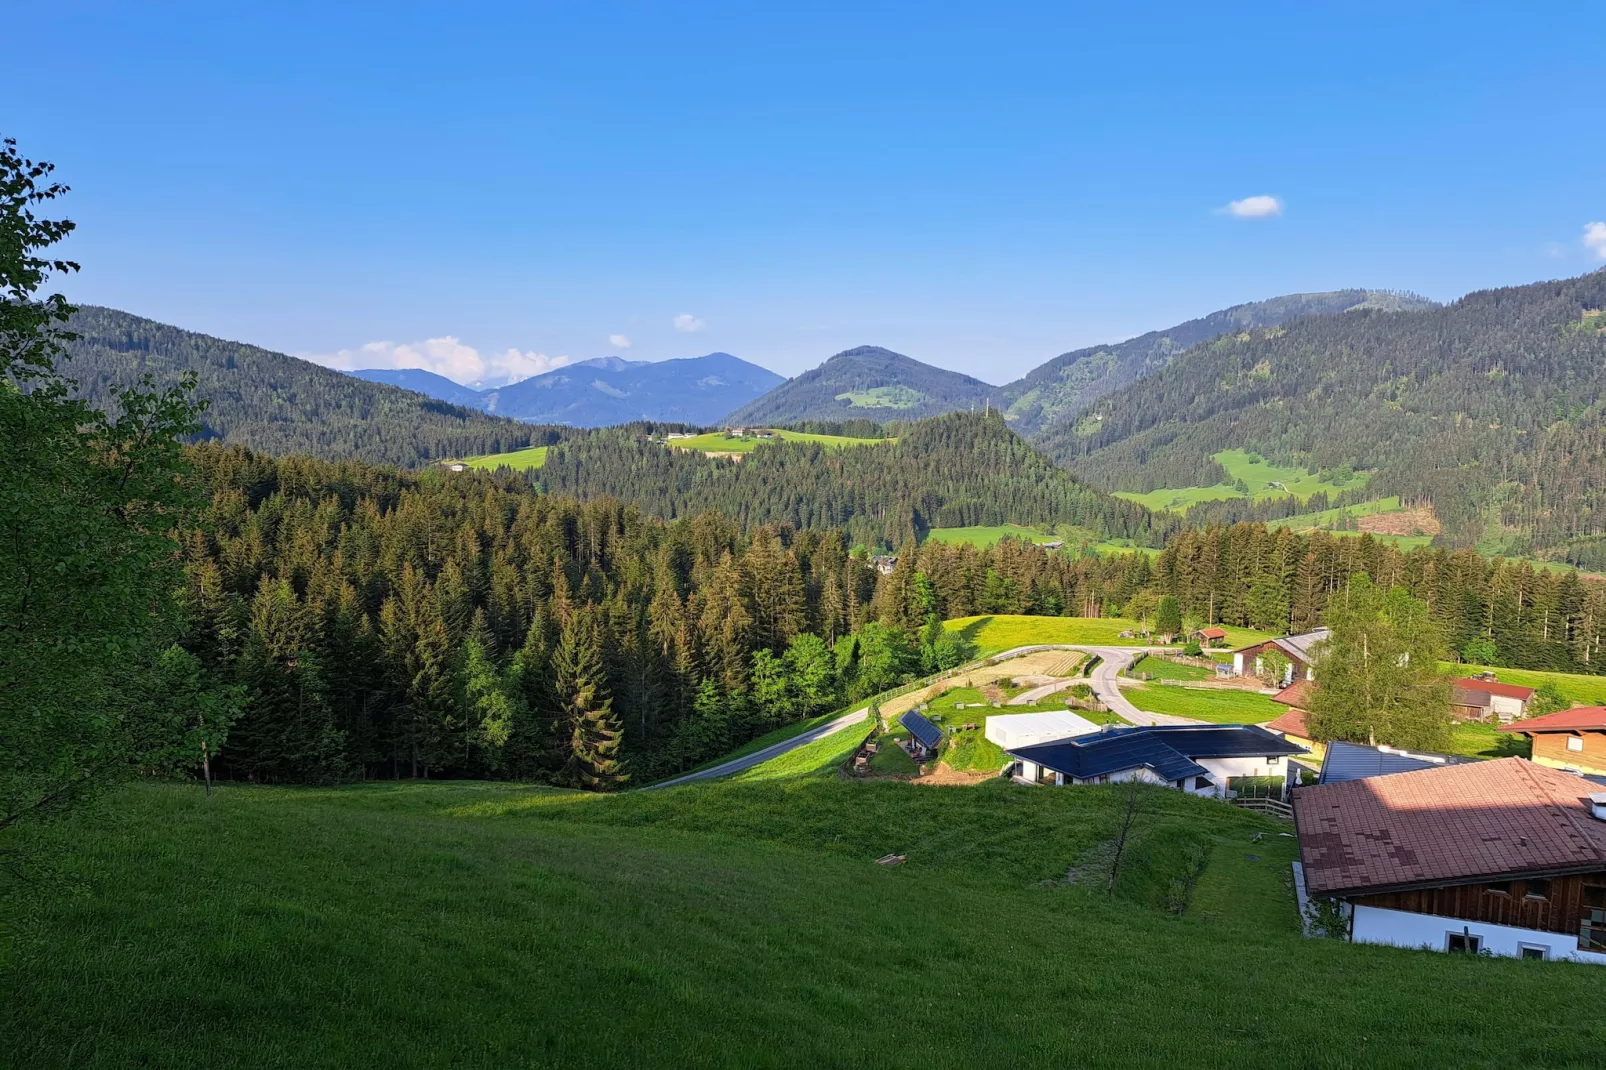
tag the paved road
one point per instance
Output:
(1116, 658)
(1042, 691)
(747, 761)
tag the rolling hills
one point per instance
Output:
(281, 404)
(420, 381)
(867, 381)
(1488, 410)
(1062, 387)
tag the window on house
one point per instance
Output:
(1498, 888)
(1575, 743)
(1463, 943)
(1533, 951)
(1200, 783)
(1274, 761)
(1538, 889)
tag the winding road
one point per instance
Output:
(1113, 659)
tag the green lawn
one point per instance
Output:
(1166, 669)
(892, 760)
(985, 536)
(1219, 706)
(522, 460)
(1262, 478)
(720, 442)
(731, 925)
(1003, 631)
(1476, 739)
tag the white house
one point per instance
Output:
(1196, 759)
(1505, 857)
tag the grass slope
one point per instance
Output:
(1216, 705)
(520, 460)
(985, 536)
(1583, 690)
(720, 442)
(1262, 478)
(995, 632)
(723, 925)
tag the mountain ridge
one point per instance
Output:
(866, 381)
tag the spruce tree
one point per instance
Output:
(593, 761)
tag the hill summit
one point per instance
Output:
(870, 382)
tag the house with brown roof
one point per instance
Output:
(1504, 857)
(1210, 636)
(1297, 650)
(1478, 698)
(1574, 740)
(1292, 725)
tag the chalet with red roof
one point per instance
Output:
(1505, 857)
(1292, 725)
(1210, 636)
(1478, 698)
(1574, 740)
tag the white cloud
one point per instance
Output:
(1260, 206)
(686, 323)
(1595, 238)
(446, 356)
(619, 341)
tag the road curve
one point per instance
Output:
(1103, 679)
(747, 761)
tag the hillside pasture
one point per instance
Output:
(723, 442)
(729, 925)
(1216, 705)
(1003, 631)
(519, 460)
(982, 537)
(1262, 479)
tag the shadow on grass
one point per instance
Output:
(974, 629)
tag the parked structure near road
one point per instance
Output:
(1250, 661)
(1505, 857)
(1196, 759)
(1014, 730)
(1574, 740)
(1477, 698)
(1357, 761)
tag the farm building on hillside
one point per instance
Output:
(1013, 730)
(925, 738)
(1501, 857)
(1574, 740)
(1477, 698)
(1296, 649)
(1199, 760)
(1357, 761)
(1210, 636)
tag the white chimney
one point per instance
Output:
(1597, 805)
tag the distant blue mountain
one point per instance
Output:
(427, 383)
(607, 390)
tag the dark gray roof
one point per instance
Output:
(1169, 750)
(1356, 761)
(920, 726)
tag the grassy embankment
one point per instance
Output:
(721, 442)
(1002, 631)
(520, 460)
(733, 924)
(1216, 705)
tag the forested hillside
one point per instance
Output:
(392, 624)
(1064, 386)
(610, 390)
(277, 403)
(866, 382)
(950, 471)
(1489, 409)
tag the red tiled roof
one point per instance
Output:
(1213, 633)
(1579, 718)
(1503, 690)
(1451, 825)
(1295, 694)
(1291, 723)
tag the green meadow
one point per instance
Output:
(521, 460)
(721, 442)
(1261, 478)
(1002, 631)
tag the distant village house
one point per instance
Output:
(1478, 698)
(1574, 740)
(1295, 649)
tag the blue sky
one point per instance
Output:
(981, 187)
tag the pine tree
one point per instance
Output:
(593, 761)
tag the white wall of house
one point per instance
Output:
(1222, 768)
(1507, 708)
(1404, 928)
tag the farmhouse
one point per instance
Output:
(1356, 761)
(1574, 740)
(925, 738)
(1251, 660)
(1477, 698)
(1196, 759)
(1504, 857)
(1014, 730)
(1210, 636)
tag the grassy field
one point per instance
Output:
(1165, 669)
(1003, 631)
(522, 460)
(883, 397)
(1262, 478)
(736, 924)
(1475, 739)
(1584, 690)
(719, 442)
(1219, 706)
(986, 536)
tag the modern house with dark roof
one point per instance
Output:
(1505, 857)
(925, 737)
(1357, 761)
(1196, 759)
(1297, 649)
(1573, 740)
